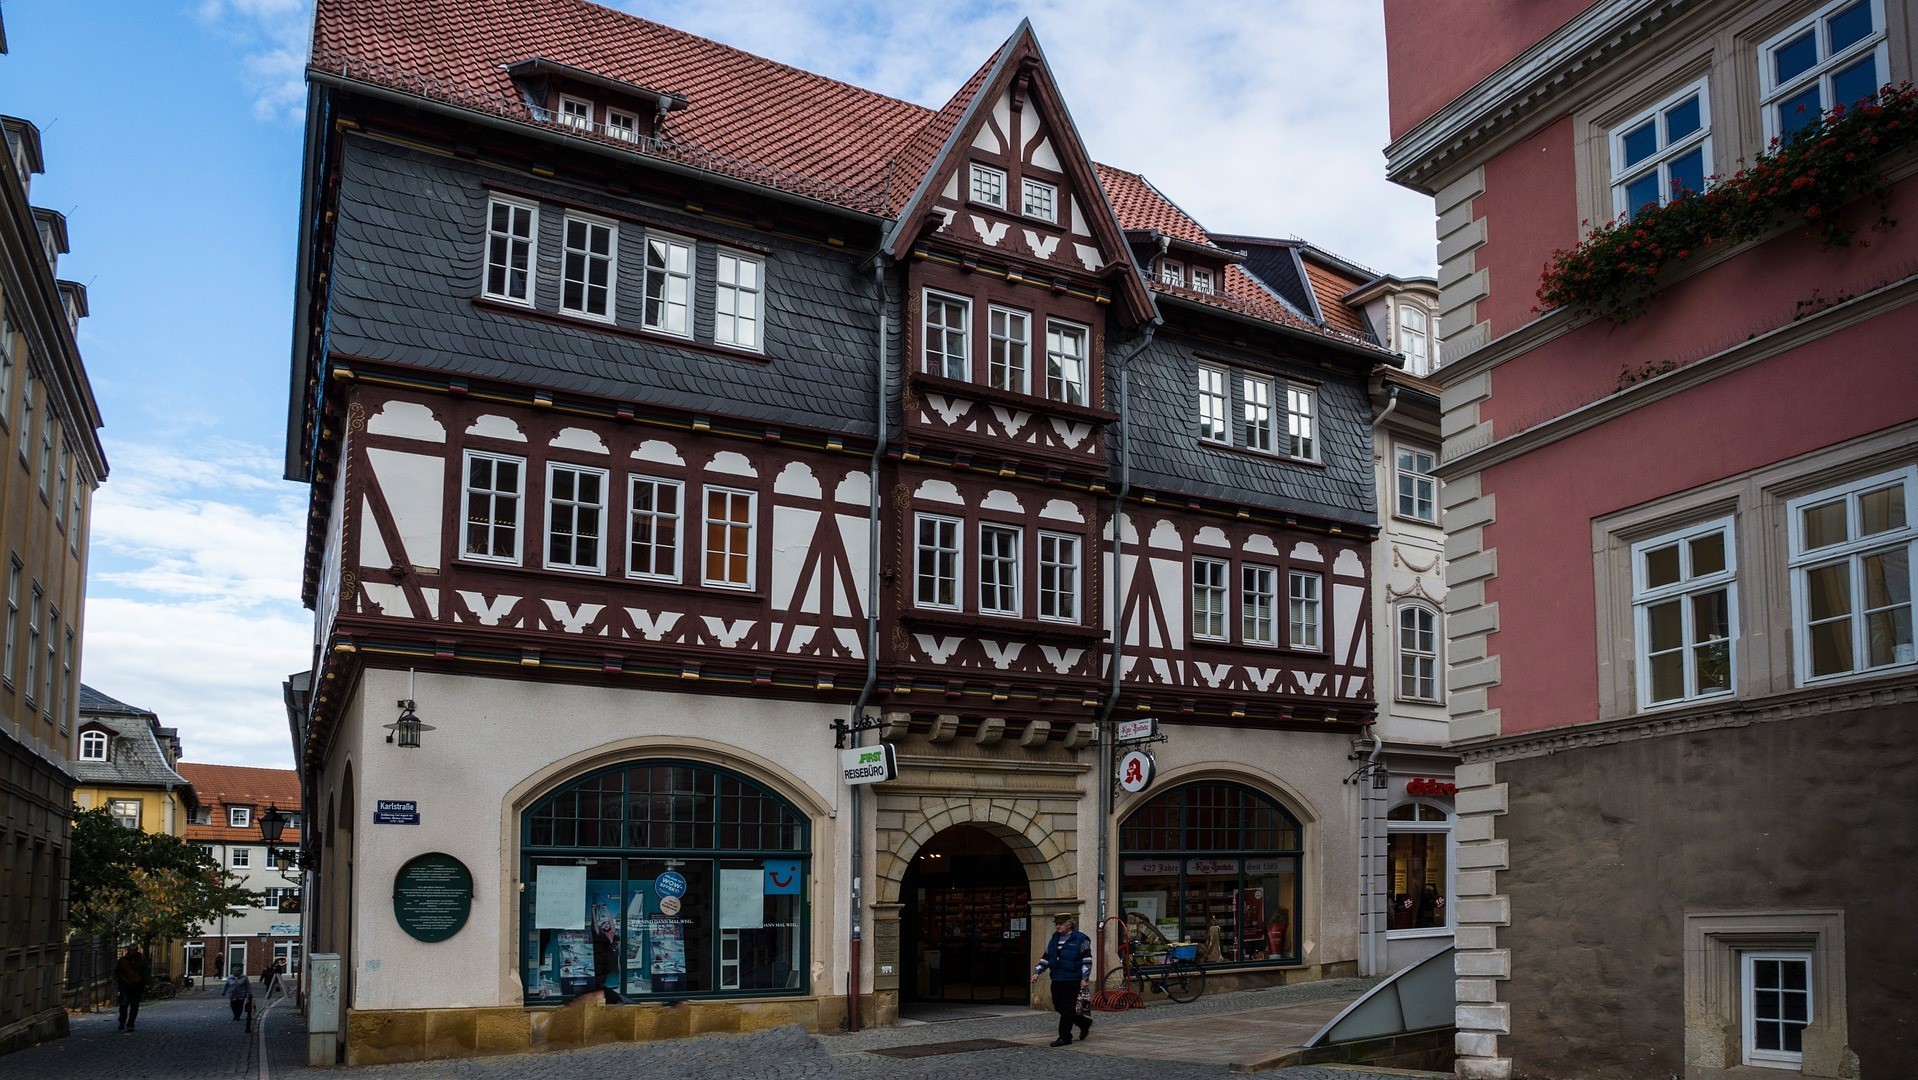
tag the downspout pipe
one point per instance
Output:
(1369, 868)
(1391, 402)
(1114, 615)
(881, 434)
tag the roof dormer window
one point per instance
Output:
(239, 817)
(623, 126)
(1202, 280)
(576, 113)
(1171, 273)
(93, 746)
(988, 186)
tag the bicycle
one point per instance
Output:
(160, 990)
(1181, 977)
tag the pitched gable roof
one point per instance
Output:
(934, 138)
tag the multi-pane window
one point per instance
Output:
(51, 676)
(6, 369)
(39, 599)
(936, 566)
(26, 417)
(1417, 487)
(60, 487)
(510, 228)
(1418, 653)
(1776, 1007)
(576, 113)
(93, 746)
(241, 858)
(652, 547)
(1259, 605)
(495, 497)
(239, 817)
(1066, 362)
(1008, 350)
(575, 517)
(948, 336)
(729, 538)
(988, 186)
(14, 574)
(1684, 599)
(75, 496)
(126, 813)
(623, 126)
(66, 675)
(1171, 273)
(1058, 577)
(1213, 403)
(669, 285)
(1301, 417)
(1304, 593)
(1836, 56)
(736, 300)
(1415, 338)
(999, 570)
(1041, 201)
(1209, 599)
(1256, 431)
(1852, 559)
(46, 452)
(587, 268)
(1662, 153)
(1202, 281)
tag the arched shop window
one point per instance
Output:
(663, 879)
(1217, 863)
(1418, 838)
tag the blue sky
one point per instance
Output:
(172, 132)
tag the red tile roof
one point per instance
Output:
(747, 116)
(1329, 285)
(220, 786)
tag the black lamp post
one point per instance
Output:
(272, 824)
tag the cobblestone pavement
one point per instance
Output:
(194, 1038)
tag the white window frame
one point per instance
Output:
(655, 515)
(1049, 212)
(1059, 577)
(1215, 405)
(60, 487)
(582, 259)
(1060, 386)
(1645, 597)
(46, 452)
(1305, 611)
(239, 858)
(93, 745)
(1216, 585)
(239, 817)
(622, 125)
(1415, 343)
(6, 370)
(512, 240)
(1411, 655)
(1748, 1007)
(1301, 422)
(728, 291)
(114, 807)
(1256, 428)
(50, 689)
(1202, 281)
(981, 192)
(751, 539)
(1772, 92)
(1419, 827)
(1171, 272)
(1424, 484)
(1001, 343)
(1252, 629)
(576, 504)
(33, 643)
(1001, 573)
(571, 119)
(519, 507)
(15, 574)
(927, 558)
(1623, 175)
(26, 417)
(1852, 552)
(946, 357)
(671, 299)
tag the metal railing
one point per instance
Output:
(90, 963)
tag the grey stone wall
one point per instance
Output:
(1612, 845)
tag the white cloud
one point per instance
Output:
(274, 39)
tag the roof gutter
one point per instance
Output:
(501, 123)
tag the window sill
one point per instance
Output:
(600, 326)
(1257, 650)
(1424, 932)
(1262, 455)
(1031, 402)
(1002, 625)
(610, 579)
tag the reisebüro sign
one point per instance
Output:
(869, 764)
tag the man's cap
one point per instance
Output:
(1064, 916)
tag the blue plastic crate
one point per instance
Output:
(1184, 950)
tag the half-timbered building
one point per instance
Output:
(663, 406)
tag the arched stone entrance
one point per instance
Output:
(965, 921)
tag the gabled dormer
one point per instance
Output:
(94, 742)
(73, 299)
(1174, 261)
(591, 103)
(23, 144)
(53, 235)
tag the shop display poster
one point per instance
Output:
(782, 877)
(639, 909)
(559, 898)
(742, 899)
(668, 947)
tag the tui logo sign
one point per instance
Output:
(869, 764)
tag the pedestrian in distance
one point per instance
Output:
(1068, 957)
(238, 991)
(131, 975)
(270, 980)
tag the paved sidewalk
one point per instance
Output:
(192, 1037)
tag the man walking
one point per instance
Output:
(131, 975)
(1068, 956)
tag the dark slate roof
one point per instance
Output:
(1168, 456)
(93, 701)
(134, 756)
(407, 266)
(1278, 268)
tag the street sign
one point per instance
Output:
(396, 812)
(1135, 770)
(869, 764)
(1134, 730)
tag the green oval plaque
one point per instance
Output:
(432, 896)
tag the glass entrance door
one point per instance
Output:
(967, 927)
